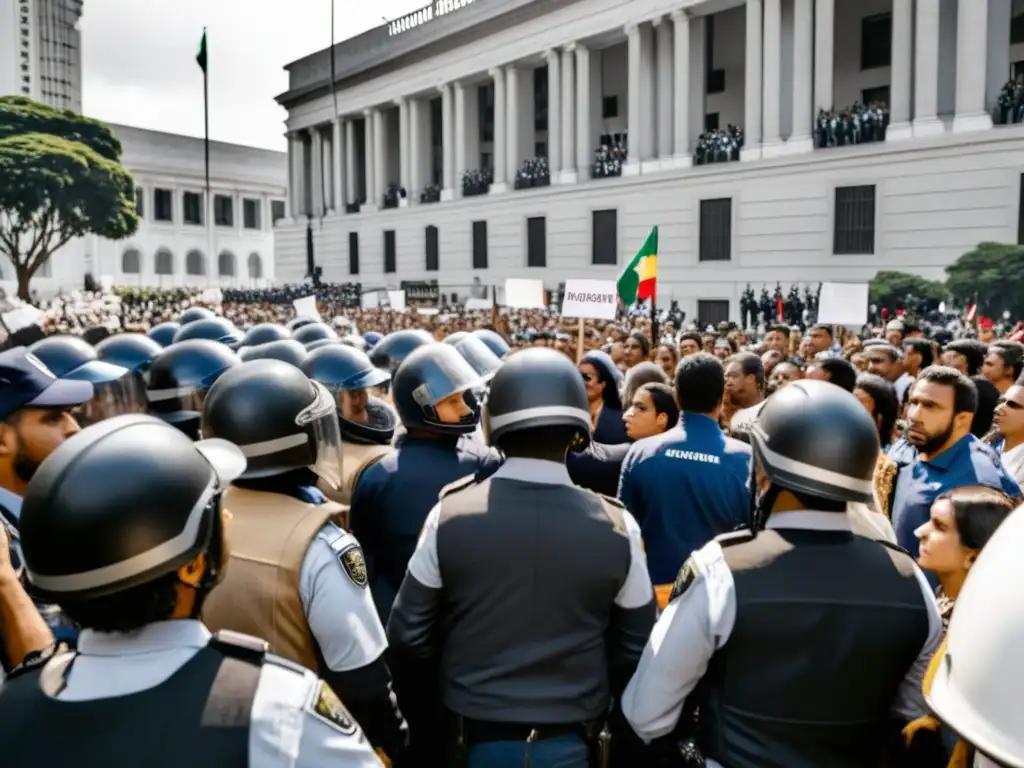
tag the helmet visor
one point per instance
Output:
(444, 379)
(319, 420)
(479, 357)
(113, 398)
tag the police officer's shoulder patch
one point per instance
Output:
(735, 537)
(354, 564)
(326, 707)
(459, 485)
(688, 574)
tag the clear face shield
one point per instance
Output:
(117, 391)
(320, 422)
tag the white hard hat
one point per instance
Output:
(977, 686)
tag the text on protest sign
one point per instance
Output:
(596, 299)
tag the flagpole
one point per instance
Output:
(208, 200)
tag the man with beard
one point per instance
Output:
(939, 413)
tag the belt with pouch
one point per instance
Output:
(484, 731)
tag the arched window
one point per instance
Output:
(163, 262)
(255, 266)
(131, 262)
(195, 263)
(226, 264)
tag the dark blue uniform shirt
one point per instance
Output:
(684, 487)
(393, 497)
(968, 461)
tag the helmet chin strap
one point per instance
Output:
(214, 556)
(761, 505)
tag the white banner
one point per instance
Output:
(306, 307)
(843, 304)
(524, 294)
(596, 299)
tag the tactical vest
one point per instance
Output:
(827, 626)
(268, 534)
(198, 717)
(356, 459)
(530, 574)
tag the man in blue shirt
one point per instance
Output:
(691, 483)
(939, 414)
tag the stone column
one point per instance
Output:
(926, 70)
(498, 156)
(648, 97)
(664, 82)
(971, 67)
(403, 145)
(567, 174)
(698, 77)
(316, 163)
(681, 157)
(414, 108)
(803, 67)
(772, 77)
(553, 58)
(369, 164)
(461, 159)
(584, 152)
(633, 129)
(901, 83)
(338, 167)
(999, 20)
(824, 54)
(448, 142)
(512, 139)
(752, 97)
(379, 168)
(294, 186)
(350, 161)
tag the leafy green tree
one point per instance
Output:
(891, 289)
(61, 179)
(991, 275)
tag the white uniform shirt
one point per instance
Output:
(284, 732)
(699, 622)
(340, 612)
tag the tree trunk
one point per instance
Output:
(24, 275)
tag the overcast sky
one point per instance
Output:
(140, 69)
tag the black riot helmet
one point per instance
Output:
(295, 323)
(163, 334)
(121, 504)
(63, 354)
(322, 343)
(280, 419)
(492, 339)
(354, 340)
(372, 338)
(347, 372)
(179, 379)
(536, 387)
(455, 338)
(286, 350)
(264, 333)
(133, 351)
(314, 332)
(427, 376)
(390, 351)
(192, 314)
(478, 355)
(212, 328)
(817, 441)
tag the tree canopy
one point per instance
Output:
(991, 275)
(895, 289)
(62, 179)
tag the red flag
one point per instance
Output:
(778, 307)
(971, 312)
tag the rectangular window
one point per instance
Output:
(431, 246)
(163, 205)
(716, 229)
(251, 213)
(854, 221)
(389, 251)
(479, 245)
(140, 202)
(353, 253)
(276, 210)
(876, 41)
(536, 242)
(192, 207)
(223, 211)
(604, 247)
(712, 312)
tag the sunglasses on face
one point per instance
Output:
(1011, 404)
(587, 377)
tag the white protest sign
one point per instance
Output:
(22, 317)
(397, 300)
(369, 300)
(477, 304)
(306, 307)
(843, 304)
(216, 296)
(428, 311)
(524, 294)
(597, 299)
(106, 283)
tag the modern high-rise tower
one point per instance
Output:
(41, 52)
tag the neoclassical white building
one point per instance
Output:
(461, 86)
(173, 245)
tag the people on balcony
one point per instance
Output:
(534, 173)
(477, 182)
(1010, 106)
(719, 146)
(610, 156)
(431, 194)
(394, 194)
(858, 124)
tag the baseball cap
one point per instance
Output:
(26, 382)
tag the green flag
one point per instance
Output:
(639, 279)
(201, 55)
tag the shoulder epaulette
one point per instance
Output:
(735, 537)
(459, 485)
(240, 646)
(610, 499)
(281, 661)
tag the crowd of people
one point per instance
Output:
(719, 146)
(1010, 105)
(535, 172)
(476, 539)
(858, 124)
(610, 157)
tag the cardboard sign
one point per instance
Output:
(369, 300)
(843, 304)
(306, 307)
(524, 294)
(597, 299)
(397, 301)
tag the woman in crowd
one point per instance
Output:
(636, 347)
(602, 379)
(878, 396)
(666, 357)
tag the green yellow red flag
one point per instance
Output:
(639, 280)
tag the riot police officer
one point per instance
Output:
(493, 340)
(133, 562)
(133, 351)
(178, 380)
(212, 328)
(546, 597)
(194, 314)
(432, 392)
(388, 353)
(285, 350)
(163, 334)
(297, 577)
(313, 332)
(807, 640)
(263, 333)
(367, 422)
